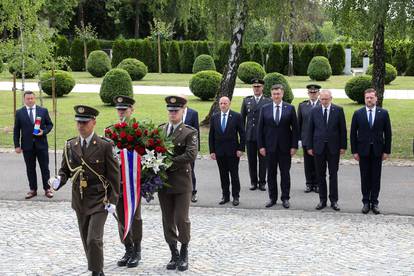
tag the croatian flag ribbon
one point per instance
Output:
(131, 179)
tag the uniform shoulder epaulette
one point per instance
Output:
(305, 101)
(161, 125)
(106, 139)
(190, 127)
(71, 139)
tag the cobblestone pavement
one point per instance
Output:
(41, 238)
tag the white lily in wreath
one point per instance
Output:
(152, 160)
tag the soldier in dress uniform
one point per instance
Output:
(250, 111)
(175, 200)
(88, 161)
(304, 111)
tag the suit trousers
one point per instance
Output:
(42, 157)
(370, 168)
(175, 216)
(252, 156)
(91, 228)
(135, 232)
(283, 160)
(229, 166)
(193, 178)
(332, 161)
(310, 168)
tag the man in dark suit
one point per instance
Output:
(250, 111)
(371, 136)
(33, 146)
(227, 141)
(190, 118)
(304, 111)
(277, 139)
(326, 142)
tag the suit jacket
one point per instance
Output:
(334, 132)
(250, 111)
(362, 136)
(233, 138)
(191, 119)
(185, 152)
(100, 156)
(304, 111)
(283, 136)
(23, 129)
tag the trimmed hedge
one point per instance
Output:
(399, 60)
(205, 84)
(65, 82)
(256, 54)
(319, 69)
(98, 63)
(390, 72)
(173, 58)
(320, 50)
(276, 78)
(222, 56)
(92, 45)
(62, 46)
(164, 54)
(356, 86)
(1, 65)
(187, 57)
(119, 52)
(337, 59)
(135, 68)
(244, 54)
(147, 54)
(116, 82)
(203, 63)
(410, 63)
(76, 53)
(201, 48)
(250, 70)
(31, 67)
(305, 57)
(275, 60)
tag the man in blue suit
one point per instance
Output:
(371, 137)
(33, 146)
(277, 139)
(227, 141)
(327, 142)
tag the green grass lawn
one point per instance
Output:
(153, 107)
(167, 79)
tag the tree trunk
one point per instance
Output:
(290, 37)
(136, 28)
(228, 81)
(378, 76)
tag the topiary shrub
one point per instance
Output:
(98, 63)
(337, 59)
(256, 54)
(77, 62)
(277, 78)
(203, 63)
(305, 57)
(356, 86)
(319, 69)
(222, 56)
(62, 46)
(135, 68)
(187, 57)
(64, 82)
(275, 59)
(205, 84)
(173, 58)
(115, 83)
(31, 67)
(400, 60)
(119, 52)
(390, 72)
(320, 50)
(201, 48)
(250, 70)
(134, 48)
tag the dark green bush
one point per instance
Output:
(390, 72)
(135, 68)
(173, 58)
(244, 54)
(62, 47)
(256, 54)
(399, 60)
(201, 48)
(119, 51)
(250, 70)
(164, 54)
(31, 67)
(92, 45)
(305, 57)
(275, 59)
(205, 84)
(64, 82)
(203, 63)
(187, 57)
(147, 55)
(320, 50)
(98, 63)
(388, 53)
(77, 62)
(356, 86)
(222, 56)
(106, 44)
(337, 59)
(276, 78)
(134, 47)
(410, 63)
(319, 69)
(1, 65)
(116, 82)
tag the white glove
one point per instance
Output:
(300, 143)
(54, 182)
(110, 208)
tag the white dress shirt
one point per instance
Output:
(184, 114)
(33, 111)
(280, 110)
(174, 128)
(329, 111)
(88, 139)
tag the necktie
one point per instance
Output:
(325, 116)
(171, 130)
(257, 99)
(31, 115)
(370, 118)
(84, 146)
(223, 122)
(277, 115)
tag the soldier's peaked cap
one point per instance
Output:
(313, 86)
(123, 102)
(259, 81)
(175, 102)
(84, 113)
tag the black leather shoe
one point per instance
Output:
(365, 208)
(316, 189)
(99, 273)
(270, 203)
(236, 202)
(183, 260)
(334, 205)
(320, 205)
(286, 204)
(253, 187)
(194, 198)
(262, 187)
(135, 256)
(172, 265)
(128, 252)
(224, 201)
(375, 209)
(308, 189)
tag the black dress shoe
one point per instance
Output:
(262, 187)
(316, 189)
(236, 202)
(224, 201)
(308, 189)
(375, 209)
(320, 205)
(253, 187)
(270, 203)
(98, 273)
(334, 205)
(194, 198)
(286, 204)
(135, 256)
(365, 208)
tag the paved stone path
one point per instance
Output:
(41, 238)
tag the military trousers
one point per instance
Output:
(91, 228)
(134, 235)
(175, 216)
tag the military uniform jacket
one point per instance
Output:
(304, 112)
(250, 111)
(99, 156)
(185, 152)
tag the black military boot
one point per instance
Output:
(183, 261)
(135, 256)
(174, 256)
(128, 252)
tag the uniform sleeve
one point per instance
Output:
(197, 126)
(112, 173)
(64, 171)
(311, 129)
(190, 153)
(243, 111)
